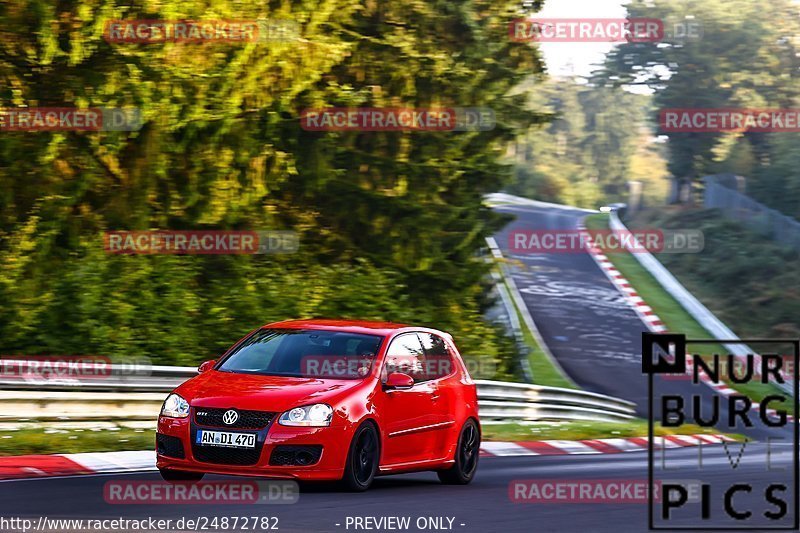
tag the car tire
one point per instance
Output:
(466, 456)
(175, 476)
(362, 459)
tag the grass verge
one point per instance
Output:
(545, 373)
(672, 313)
(50, 440)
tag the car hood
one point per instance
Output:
(261, 393)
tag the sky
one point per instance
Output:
(565, 59)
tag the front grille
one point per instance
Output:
(226, 456)
(212, 417)
(169, 446)
(295, 455)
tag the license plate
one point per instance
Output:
(225, 439)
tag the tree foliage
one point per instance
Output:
(746, 56)
(389, 223)
(590, 150)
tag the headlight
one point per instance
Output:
(316, 415)
(175, 406)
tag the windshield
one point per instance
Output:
(304, 353)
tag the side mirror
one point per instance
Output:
(399, 381)
(205, 366)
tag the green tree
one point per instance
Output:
(585, 154)
(747, 56)
(389, 223)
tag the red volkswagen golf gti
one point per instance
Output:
(325, 400)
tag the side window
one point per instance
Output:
(405, 355)
(438, 359)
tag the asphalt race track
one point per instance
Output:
(592, 331)
(483, 506)
(594, 334)
(596, 337)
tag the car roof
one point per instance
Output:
(351, 326)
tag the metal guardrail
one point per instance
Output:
(736, 205)
(514, 402)
(101, 377)
(513, 326)
(124, 397)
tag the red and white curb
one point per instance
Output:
(646, 313)
(648, 316)
(74, 464)
(40, 466)
(595, 446)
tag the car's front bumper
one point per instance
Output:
(335, 442)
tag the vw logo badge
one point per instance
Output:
(230, 417)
